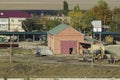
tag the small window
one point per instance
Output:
(4, 20)
(12, 20)
(19, 20)
(3, 24)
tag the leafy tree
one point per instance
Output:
(28, 25)
(109, 39)
(76, 8)
(51, 24)
(102, 12)
(116, 15)
(102, 4)
(65, 7)
(112, 26)
(75, 16)
(116, 19)
(66, 21)
(48, 23)
(31, 24)
(86, 23)
(40, 24)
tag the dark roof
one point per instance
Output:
(17, 14)
(108, 33)
(22, 33)
(58, 29)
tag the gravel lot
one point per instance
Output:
(114, 49)
(34, 45)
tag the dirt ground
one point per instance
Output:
(54, 67)
(24, 63)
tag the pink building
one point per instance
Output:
(64, 39)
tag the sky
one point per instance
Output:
(52, 4)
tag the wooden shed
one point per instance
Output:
(64, 39)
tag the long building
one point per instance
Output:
(52, 4)
(12, 20)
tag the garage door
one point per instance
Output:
(68, 47)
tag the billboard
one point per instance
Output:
(97, 25)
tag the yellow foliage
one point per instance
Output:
(109, 39)
(73, 14)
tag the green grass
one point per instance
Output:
(22, 51)
(16, 51)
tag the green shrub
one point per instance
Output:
(109, 39)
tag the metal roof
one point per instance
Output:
(16, 14)
(22, 33)
(90, 39)
(58, 29)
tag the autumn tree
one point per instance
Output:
(86, 20)
(109, 39)
(48, 24)
(112, 26)
(75, 16)
(30, 25)
(115, 23)
(51, 23)
(40, 24)
(102, 12)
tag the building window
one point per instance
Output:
(3, 24)
(19, 20)
(12, 20)
(4, 20)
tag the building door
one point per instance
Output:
(68, 47)
(70, 50)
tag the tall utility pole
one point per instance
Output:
(9, 24)
(92, 56)
(10, 41)
(100, 35)
(10, 50)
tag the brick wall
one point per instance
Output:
(67, 34)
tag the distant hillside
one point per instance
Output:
(52, 4)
